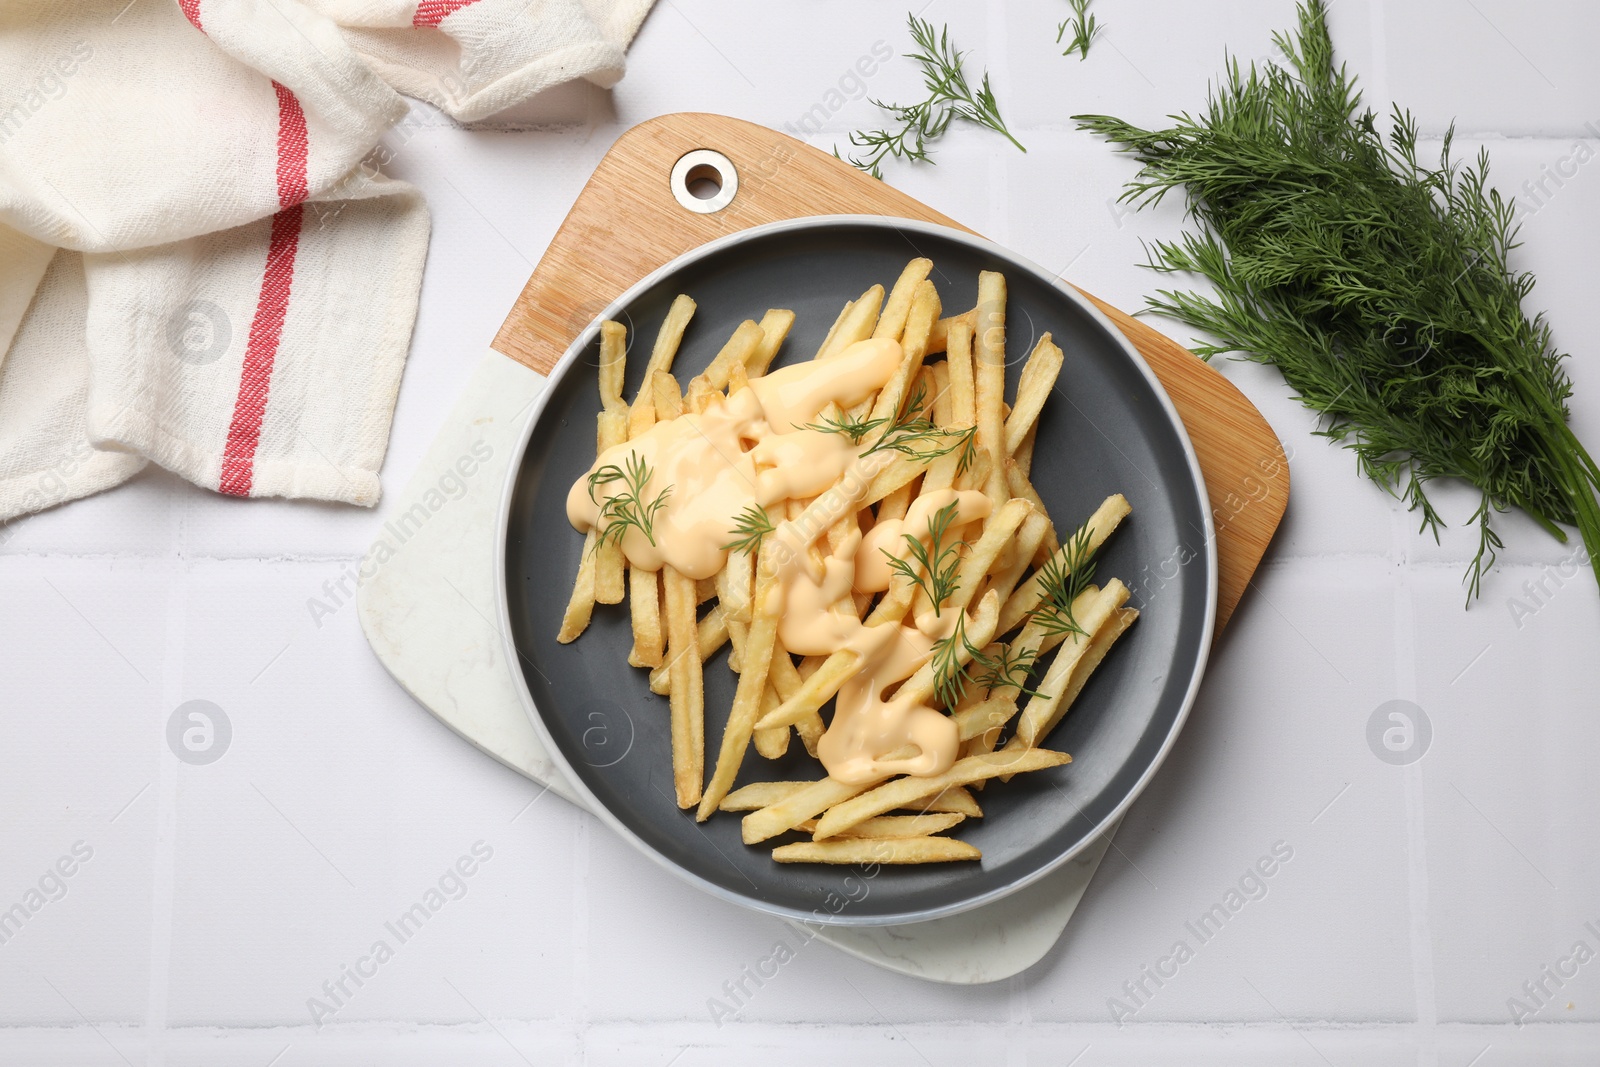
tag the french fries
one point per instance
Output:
(862, 806)
(688, 689)
(1016, 629)
(868, 850)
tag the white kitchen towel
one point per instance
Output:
(196, 266)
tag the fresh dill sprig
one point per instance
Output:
(1380, 285)
(1006, 670)
(950, 97)
(1083, 29)
(949, 676)
(907, 433)
(752, 525)
(854, 427)
(627, 509)
(912, 429)
(1061, 580)
(935, 564)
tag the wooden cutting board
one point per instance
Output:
(627, 222)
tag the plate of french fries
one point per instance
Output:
(858, 570)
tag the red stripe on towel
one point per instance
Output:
(266, 329)
(291, 148)
(272, 305)
(191, 11)
(432, 12)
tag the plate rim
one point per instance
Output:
(895, 224)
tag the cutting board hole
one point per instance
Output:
(704, 181)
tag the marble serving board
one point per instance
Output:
(428, 614)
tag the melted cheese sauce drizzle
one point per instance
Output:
(751, 449)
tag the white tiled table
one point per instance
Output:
(218, 899)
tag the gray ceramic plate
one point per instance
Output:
(1109, 428)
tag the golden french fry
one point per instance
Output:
(698, 396)
(642, 415)
(591, 584)
(734, 584)
(1111, 511)
(613, 352)
(771, 743)
(816, 690)
(1019, 485)
(928, 383)
(919, 688)
(611, 429)
(666, 394)
(775, 326)
(736, 632)
(704, 590)
(892, 322)
(943, 413)
(1039, 636)
(896, 794)
(1053, 687)
(976, 475)
(756, 656)
(894, 826)
(945, 472)
(644, 604)
(1103, 639)
(896, 392)
(989, 378)
(738, 379)
(998, 532)
(981, 724)
(1029, 536)
(986, 715)
(939, 336)
(855, 324)
(897, 503)
(955, 799)
(580, 606)
(794, 809)
(688, 688)
(810, 727)
(786, 681)
(783, 674)
(963, 388)
(868, 850)
(833, 330)
(758, 795)
(900, 470)
(1038, 378)
(740, 347)
(710, 635)
(1023, 456)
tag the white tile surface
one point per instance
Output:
(1419, 899)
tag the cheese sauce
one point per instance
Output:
(752, 449)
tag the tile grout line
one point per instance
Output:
(581, 879)
(163, 864)
(1405, 672)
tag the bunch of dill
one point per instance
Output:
(1379, 285)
